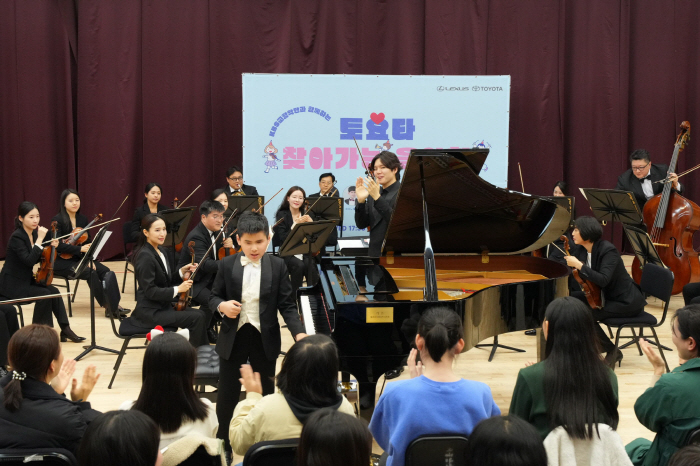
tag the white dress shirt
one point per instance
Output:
(167, 271)
(647, 188)
(250, 295)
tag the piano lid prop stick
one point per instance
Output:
(522, 185)
(195, 189)
(363, 159)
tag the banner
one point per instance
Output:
(297, 127)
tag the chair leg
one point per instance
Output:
(126, 272)
(636, 339)
(122, 352)
(75, 290)
(660, 346)
(135, 286)
(617, 342)
(21, 314)
(70, 307)
(609, 331)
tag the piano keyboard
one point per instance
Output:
(315, 315)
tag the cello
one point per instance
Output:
(44, 276)
(671, 221)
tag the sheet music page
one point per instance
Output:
(583, 192)
(101, 245)
(351, 243)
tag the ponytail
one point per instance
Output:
(13, 395)
(441, 329)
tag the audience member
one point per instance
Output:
(120, 438)
(572, 387)
(330, 437)
(506, 441)
(686, 456)
(307, 382)
(34, 412)
(167, 393)
(670, 406)
(435, 400)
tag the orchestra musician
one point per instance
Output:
(326, 185)
(376, 199)
(203, 235)
(157, 288)
(151, 205)
(69, 218)
(641, 178)
(290, 210)
(219, 195)
(234, 178)
(17, 275)
(599, 262)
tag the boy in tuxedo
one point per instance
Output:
(249, 288)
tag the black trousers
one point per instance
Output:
(247, 349)
(66, 268)
(45, 307)
(300, 269)
(9, 324)
(610, 310)
(691, 293)
(202, 299)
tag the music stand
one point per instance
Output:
(243, 204)
(88, 259)
(328, 208)
(307, 238)
(176, 222)
(612, 205)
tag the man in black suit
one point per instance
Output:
(641, 178)
(203, 235)
(249, 288)
(234, 178)
(326, 184)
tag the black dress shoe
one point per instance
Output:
(212, 335)
(531, 332)
(614, 357)
(68, 334)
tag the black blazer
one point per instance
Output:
(628, 182)
(140, 213)
(275, 294)
(608, 271)
(376, 215)
(202, 240)
(17, 275)
(247, 190)
(282, 230)
(155, 291)
(65, 228)
(45, 419)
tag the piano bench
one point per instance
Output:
(351, 391)
(207, 372)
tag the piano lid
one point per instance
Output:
(467, 215)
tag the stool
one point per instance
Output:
(207, 372)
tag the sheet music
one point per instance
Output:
(351, 243)
(99, 247)
(584, 193)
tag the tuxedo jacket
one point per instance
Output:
(276, 294)
(608, 272)
(628, 182)
(247, 190)
(140, 213)
(17, 275)
(202, 240)
(282, 230)
(155, 285)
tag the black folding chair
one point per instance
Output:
(45, 456)
(126, 239)
(272, 453)
(438, 449)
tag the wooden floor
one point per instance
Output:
(500, 375)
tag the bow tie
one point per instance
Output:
(245, 261)
(648, 177)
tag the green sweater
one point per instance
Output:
(528, 400)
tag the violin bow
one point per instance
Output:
(84, 229)
(522, 185)
(195, 189)
(36, 298)
(268, 201)
(120, 206)
(666, 180)
(206, 254)
(363, 159)
(319, 198)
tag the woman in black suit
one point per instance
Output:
(290, 210)
(157, 290)
(151, 205)
(68, 219)
(17, 277)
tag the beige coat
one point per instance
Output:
(259, 418)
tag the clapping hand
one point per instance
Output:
(372, 188)
(62, 379)
(414, 369)
(361, 190)
(653, 357)
(90, 378)
(250, 380)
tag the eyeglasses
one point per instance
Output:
(217, 217)
(638, 169)
(235, 178)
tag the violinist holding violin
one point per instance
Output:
(599, 262)
(203, 235)
(151, 205)
(17, 280)
(70, 250)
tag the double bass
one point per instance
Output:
(671, 221)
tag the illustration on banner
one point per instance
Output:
(270, 157)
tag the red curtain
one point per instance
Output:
(108, 96)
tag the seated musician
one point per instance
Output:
(157, 288)
(219, 195)
(234, 178)
(300, 266)
(641, 178)
(24, 250)
(151, 205)
(69, 218)
(326, 184)
(203, 235)
(599, 262)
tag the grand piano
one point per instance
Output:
(454, 241)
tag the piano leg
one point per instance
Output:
(495, 346)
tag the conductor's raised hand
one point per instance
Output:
(250, 380)
(360, 190)
(230, 309)
(414, 369)
(184, 286)
(372, 188)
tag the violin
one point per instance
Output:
(77, 238)
(185, 297)
(223, 252)
(44, 276)
(590, 289)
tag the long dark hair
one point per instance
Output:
(577, 385)
(146, 222)
(24, 208)
(62, 212)
(31, 350)
(442, 329)
(562, 186)
(505, 440)
(117, 438)
(167, 390)
(148, 188)
(688, 318)
(310, 371)
(216, 193)
(285, 202)
(332, 437)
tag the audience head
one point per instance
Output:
(440, 334)
(686, 456)
(167, 390)
(253, 234)
(220, 196)
(330, 437)
(505, 441)
(117, 438)
(293, 199)
(685, 331)
(152, 193)
(33, 352)
(212, 214)
(586, 229)
(310, 371)
(70, 204)
(234, 177)
(560, 189)
(578, 390)
(386, 167)
(27, 215)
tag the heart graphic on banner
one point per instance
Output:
(377, 118)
